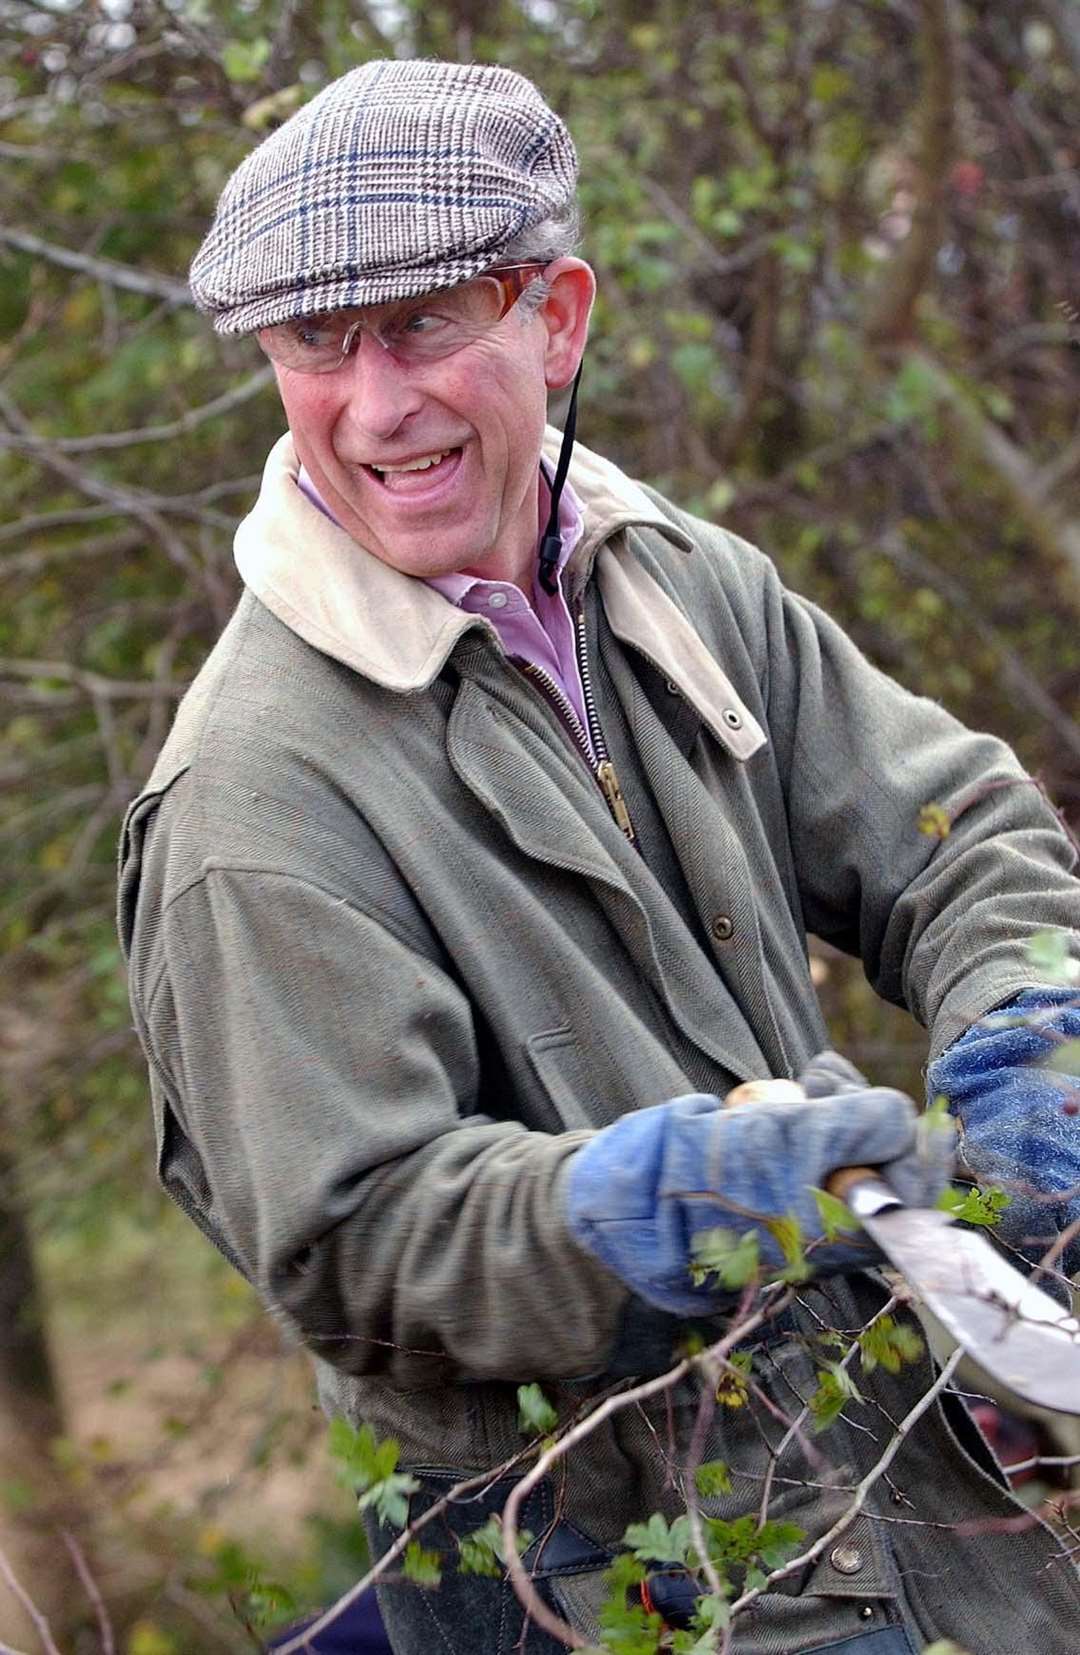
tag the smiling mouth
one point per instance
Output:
(416, 475)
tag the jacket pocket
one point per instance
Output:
(566, 1085)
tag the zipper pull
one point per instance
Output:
(609, 786)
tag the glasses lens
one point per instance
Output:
(435, 325)
(442, 323)
(308, 344)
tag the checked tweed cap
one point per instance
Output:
(397, 179)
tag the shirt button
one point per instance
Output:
(846, 1560)
(498, 600)
(722, 928)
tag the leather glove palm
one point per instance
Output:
(643, 1188)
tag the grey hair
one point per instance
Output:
(553, 238)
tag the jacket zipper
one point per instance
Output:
(601, 766)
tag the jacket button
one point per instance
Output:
(731, 718)
(846, 1560)
(722, 928)
(671, 687)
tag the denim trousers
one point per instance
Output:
(481, 1615)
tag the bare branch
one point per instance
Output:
(903, 1430)
(95, 683)
(638, 1393)
(32, 443)
(892, 308)
(1024, 682)
(41, 1625)
(90, 1586)
(102, 270)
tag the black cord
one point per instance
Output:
(551, 542)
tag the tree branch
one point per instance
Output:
(102, 270)
(890, 315)
(41, 1625)
(30, 442)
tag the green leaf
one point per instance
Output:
(711, 1614)
(1050, 955)
(836, 1389)
(390, 1498)
(423, 1568)
(244, 60)
(787, 1232)
(889, 1344)
(482, 1553)
(836, 1217)
(777, 1541)
(656, 1542)
(536, 1416)
(974, 1206)
(732, 1259)
(712, 1478)
(943, 1646)
(268, 1601)
(1064, 1059)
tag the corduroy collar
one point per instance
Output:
(399, 632)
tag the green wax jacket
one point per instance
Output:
(391, 957)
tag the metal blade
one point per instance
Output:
(1012, 1328)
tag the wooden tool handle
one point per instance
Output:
(841, 1182)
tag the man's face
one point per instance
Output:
(479, 414)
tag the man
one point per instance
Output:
(478, 869)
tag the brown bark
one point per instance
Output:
(891, 313)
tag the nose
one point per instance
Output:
(382, 394)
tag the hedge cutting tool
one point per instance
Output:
(1021, 1337)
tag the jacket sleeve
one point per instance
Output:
(314, 1080)
(942, 923)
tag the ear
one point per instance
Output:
(565, 314)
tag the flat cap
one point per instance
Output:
(397, 179)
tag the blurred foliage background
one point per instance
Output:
(837, 247)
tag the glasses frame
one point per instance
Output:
(512, 279)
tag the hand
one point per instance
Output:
(1020, 1128)
(642, 1189)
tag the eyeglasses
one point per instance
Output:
(418, 330)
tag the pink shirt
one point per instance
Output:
(541, 632)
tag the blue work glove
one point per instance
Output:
(1017, 1122)
(641, 1189)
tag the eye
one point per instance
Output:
(421, 322)
(315, 333)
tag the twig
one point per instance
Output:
(524, 1588)
(95, 684)
(799, 1421)
(302, 1641)
(903, 1430)
(32, 443)
(40, 1623)
(90, 1587)
(103, 270)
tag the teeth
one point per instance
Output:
(413, 465)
